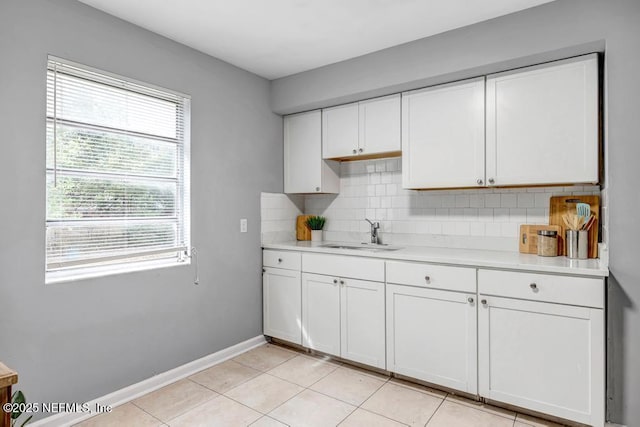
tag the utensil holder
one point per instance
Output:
(583, 244)
(571, 243)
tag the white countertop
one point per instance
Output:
(468, 257)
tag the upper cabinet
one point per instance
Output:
(304, 169)
(543, 124)
(368, 129)
(443, 136)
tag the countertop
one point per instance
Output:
(467, 257)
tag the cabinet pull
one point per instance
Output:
(484, 302)
(479, 181)
(342, 282)
(354, 151)
(264, 271)
(427, 279)
(317, 188)
(492, 181)
(360, 150)
(470, 300)
(335, 281)
(279, 259)
(533, 286)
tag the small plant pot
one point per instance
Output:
(316, 235)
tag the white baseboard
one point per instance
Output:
(134, 391)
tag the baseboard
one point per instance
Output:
(146, 386)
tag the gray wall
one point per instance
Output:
(551, 31)
(75, 341)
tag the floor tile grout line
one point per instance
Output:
(191, 409)
(144, 410)
(436, 411)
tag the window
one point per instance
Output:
(117, 174)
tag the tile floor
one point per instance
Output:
(276, 386)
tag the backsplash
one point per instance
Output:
(474, 218)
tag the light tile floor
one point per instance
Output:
(276, 386)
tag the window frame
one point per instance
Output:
(180, 254)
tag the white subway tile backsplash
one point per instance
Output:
(486, 218)
(508, 200)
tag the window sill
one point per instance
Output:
(109, 270)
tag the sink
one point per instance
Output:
(361, 247)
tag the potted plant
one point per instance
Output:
(315, 223)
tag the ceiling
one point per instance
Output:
(277, 38)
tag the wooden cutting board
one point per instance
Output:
(302, 231)
(561, 205)
(529, 237)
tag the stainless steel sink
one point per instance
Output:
(361, 247)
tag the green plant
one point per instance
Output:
(18, 397)
(316, 222)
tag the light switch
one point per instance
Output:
(243, 225)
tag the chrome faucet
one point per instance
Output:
(374, 231)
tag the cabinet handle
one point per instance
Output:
(470, 300)
(335, 281)
(427, 279)
(484, 302)
(492, 181)
(479, 181)
(264, 271)
(279, 259)
(354, 151)
(360, 150)
(533, 286)
(342, 282)
(317, 188)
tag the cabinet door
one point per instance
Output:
(542, 124)
(340, 131)
(431, 335)
(321, 313)
(362, 322)
(304, 169)
(282, 304)
(542, 356)
(379, 125)
(443, 136)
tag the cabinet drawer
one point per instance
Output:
(281, 259)
(582, 291)
(432, 276)
(344, 266)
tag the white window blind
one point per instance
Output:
(117, 172)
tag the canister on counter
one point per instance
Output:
(547, 243)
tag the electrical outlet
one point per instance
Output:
(243, 225)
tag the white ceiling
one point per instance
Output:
(277, 38)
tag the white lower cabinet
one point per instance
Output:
(431, 324)
(542, 355)
(431, 336)
(344, 317)
(282, 304)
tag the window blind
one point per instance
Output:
(117, 170)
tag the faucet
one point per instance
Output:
(374, 231)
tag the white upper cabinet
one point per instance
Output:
(304, 169)
(340, 131)
(366, 128)
(443, 136)
(542, 124)
(379, 125)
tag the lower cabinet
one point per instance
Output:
(541, 343)
(543, 356)
(282, 304)
(344, 317)
(431, 336)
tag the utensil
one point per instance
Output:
(566, 205)
(583, 210)
(587, 225)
